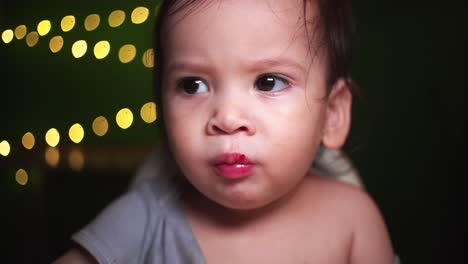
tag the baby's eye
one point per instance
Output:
(271, 83)
(193, 85)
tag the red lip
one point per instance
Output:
(233, 166)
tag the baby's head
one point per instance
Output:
(248, 90)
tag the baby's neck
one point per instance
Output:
(198, 207)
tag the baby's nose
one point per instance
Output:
(230, 117)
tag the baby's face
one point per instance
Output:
(244, 99)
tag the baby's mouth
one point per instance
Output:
(233, 166)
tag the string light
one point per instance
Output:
(28, 140)
(124, 118)
(4, 148)
(148, 112)
(20, 31)
(7, 36)
(43, 28)
(52, 137)
(32, 38)
(92, 22)
(79, 48)
(100, 126)
(21, 177)
(67, 23)
(148, 58)
(101, 49)
(116, 18)
(139, 15)
(76, 133)
(56, 44)
(127, 53)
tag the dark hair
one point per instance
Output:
(334, 24)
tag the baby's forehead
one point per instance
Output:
(293, 13)
(247, 22)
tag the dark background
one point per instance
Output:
(408, 139)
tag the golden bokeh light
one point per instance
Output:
(76, 133)
(76, 159)
(20, 31)
(92, 22)
(56, 44)
(52, 137)
(7, 36)
(67, 23)
(127, 53)
(21, 177)
(148, 58)
(124, 118)
(100, 126)
(101, 49)
(139, 15)
(28, 140)
(43, 28)
(32, 38)
(52, 157)
(4, 148)
(148, 112)
(116, 18)
(79, 48)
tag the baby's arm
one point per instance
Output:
(371, 242)
(76, 256)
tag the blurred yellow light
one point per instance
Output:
(148, 112)
(67, 23)
(79, 48)
(76, 159)
(92, 22)
(56, 44)
(52, 157)
(76, 133)
(32, 38)
(43, 28)
(52, 137)
(21, 177)
(101, 49)
(124, 118)
(139, 15)
(148, 58)
(116, 18)
(28, 140)
(7, 36)
(100, 126)
(20, 31)
(4, 148)
(127, 53)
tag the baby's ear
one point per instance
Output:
(338, 115)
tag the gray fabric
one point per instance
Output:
(143, 226)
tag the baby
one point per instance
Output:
(248, 92)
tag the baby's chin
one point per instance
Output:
(242, 203)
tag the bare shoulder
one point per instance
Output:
(339, 195)
(76, 256)
(370, 241)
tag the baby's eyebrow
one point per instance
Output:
(188, 66)
(250, 65)
(265, 64)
